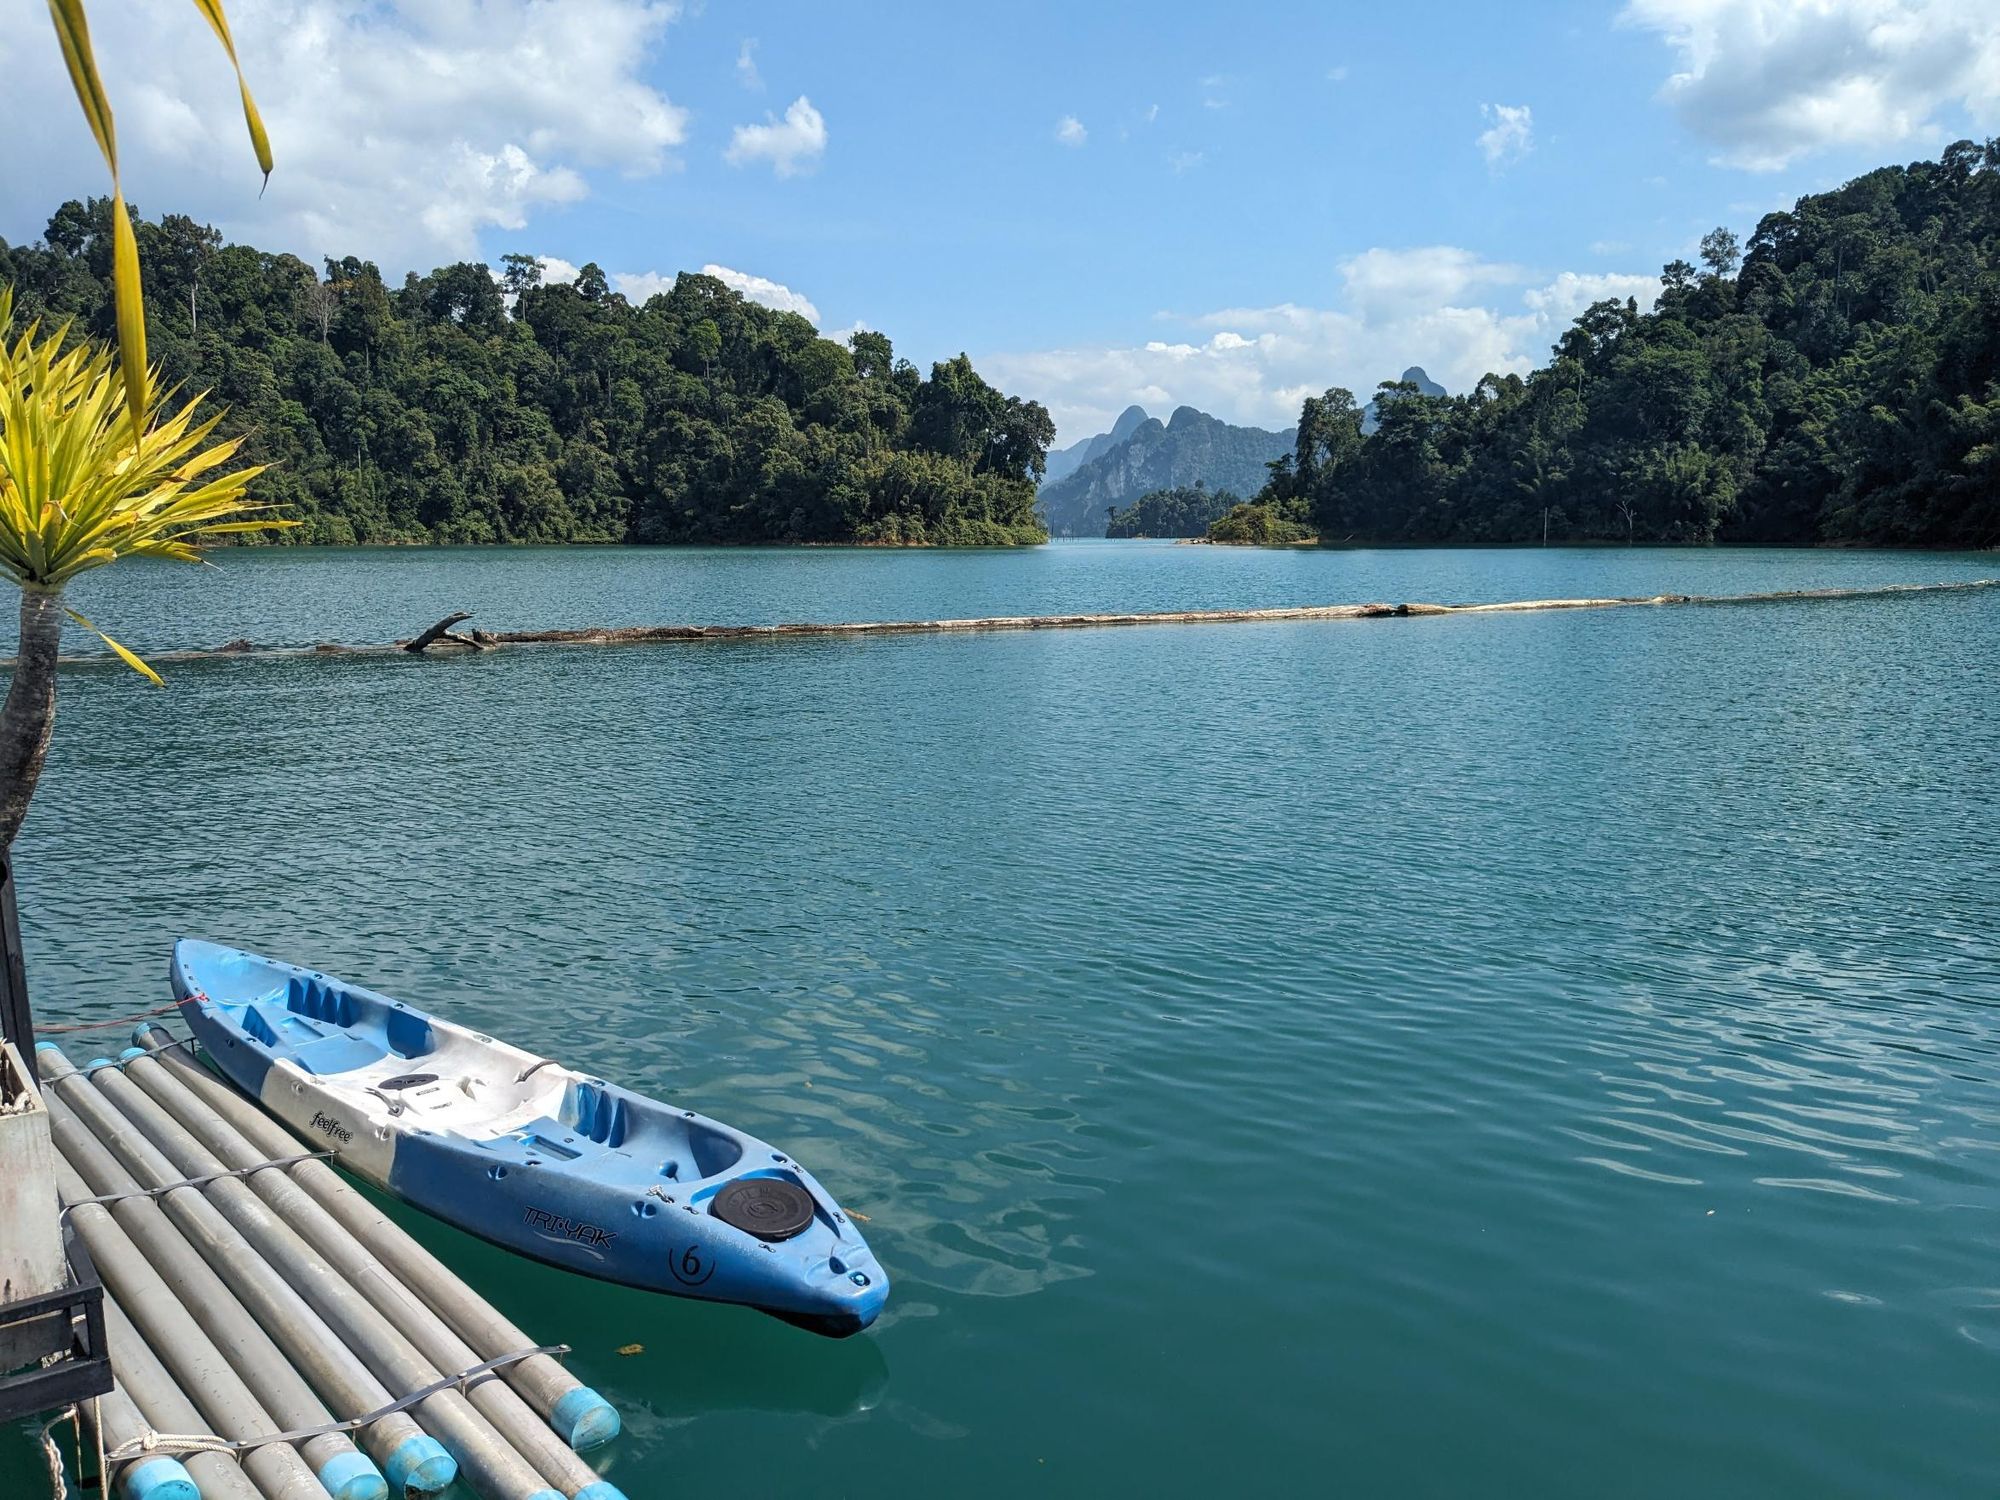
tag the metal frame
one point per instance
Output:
(86, 1370)
(17, 1020)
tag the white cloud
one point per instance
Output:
(399, 135)
(792, 145)
(746, 66)
(1393, 282)
(639, 287)
(1610, 247)
(1152, 113)
(1070, 131)
(1767, 81)
(1510, 137)
(1186, 161)
(1438, 306)
(761, 289)
(1337, 74)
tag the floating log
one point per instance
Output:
(633, 635)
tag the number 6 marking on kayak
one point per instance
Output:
(689, 1268)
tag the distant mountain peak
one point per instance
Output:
(1143, 454)
(1062, 462)
(1371, 414)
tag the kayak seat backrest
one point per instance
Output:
(309, 1043)
(599, 1114)
(408, 1034)
(322, 1002)
(259, 1028)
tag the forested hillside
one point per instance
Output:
(455, 408)
(1186, 510)
(1835, 381)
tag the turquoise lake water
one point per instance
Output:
(1553, 1054)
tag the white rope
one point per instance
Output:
(97, 1428)
(160, 1442)
(151, 1442)
(58, 1487)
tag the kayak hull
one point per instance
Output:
(556, 1165)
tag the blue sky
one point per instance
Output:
(1161, 203)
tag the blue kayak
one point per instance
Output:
(524, 1152)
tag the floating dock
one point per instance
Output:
(273, 1335)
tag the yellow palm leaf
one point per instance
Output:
(219, 23)
(124, 654)
(72, 27)
(82, 485)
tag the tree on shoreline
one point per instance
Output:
(457, 407)
(1834, 381)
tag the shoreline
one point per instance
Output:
(1579, 543)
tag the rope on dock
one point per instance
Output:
(70, 1205)
(116, 1021)
(170, 1443)
(52, 1455)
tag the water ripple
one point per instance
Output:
(1543, 1055)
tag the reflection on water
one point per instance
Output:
(1551, 1054)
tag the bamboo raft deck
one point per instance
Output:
(273, 1335)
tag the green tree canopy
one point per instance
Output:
(465, 407)
(1835, 380)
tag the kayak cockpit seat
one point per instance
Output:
(552, 1140)
(341, 1052)
(309, 1043)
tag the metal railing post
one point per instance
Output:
(17, 1021)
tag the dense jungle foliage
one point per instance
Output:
(1837, 381)
(458, 408)
(1186, 510)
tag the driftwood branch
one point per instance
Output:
(442, 632)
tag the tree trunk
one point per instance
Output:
(30, 712)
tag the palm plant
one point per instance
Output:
(82, 485)
(89, 473)
(73, 32)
